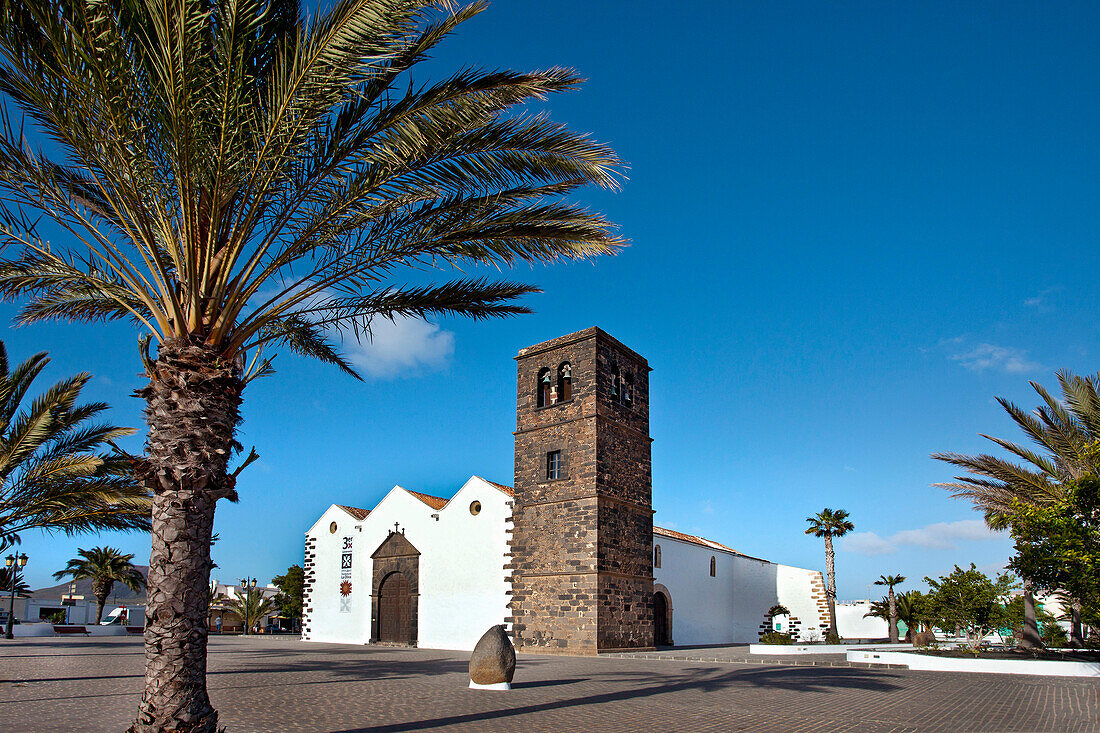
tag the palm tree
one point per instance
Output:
(22, 590)
(891, 581)
(104, 566)
(1066, 432)
(830, 523)
(252, 607)
(59, 471)
(234, 177)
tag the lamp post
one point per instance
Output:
(13, 563)
(245, 583)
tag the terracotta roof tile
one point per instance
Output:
(435, 502)
(701, 541)
(355, 511)
(506, 489)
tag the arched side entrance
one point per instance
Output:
(662, 616)
(395, 593)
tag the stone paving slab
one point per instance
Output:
(739, 654)
(284, 685)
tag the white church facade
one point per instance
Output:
(569, 559)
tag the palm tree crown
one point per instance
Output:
(236, 175)
(251, 607)
(104, 566)
(55, 473)
(22, 590)
(890, 580)
(829, 523)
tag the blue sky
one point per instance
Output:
(852, 225)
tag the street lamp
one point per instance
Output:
(11, 562)
(247, 584)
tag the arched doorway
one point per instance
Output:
(394, 604)
(660, 620)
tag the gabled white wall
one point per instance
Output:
(462, 556)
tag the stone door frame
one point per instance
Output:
(395, 555)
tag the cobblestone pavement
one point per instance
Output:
(739, 654)
(271, 684)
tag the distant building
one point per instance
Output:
(568, 559)
(74, 603)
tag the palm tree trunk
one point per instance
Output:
(1076, 638)
(1030, 638)
(830, 585)
(893, 618)
(193, 409)
(100, 589)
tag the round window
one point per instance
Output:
(332, 528)
(475, 508)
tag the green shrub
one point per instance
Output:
(776, 637)
(1054, 636)
(831, 638)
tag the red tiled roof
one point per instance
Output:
(506, 489)
(701, 541)
(435, 502)
(355, 511)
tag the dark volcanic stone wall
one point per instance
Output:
(581, 546)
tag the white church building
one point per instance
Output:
(569, 559)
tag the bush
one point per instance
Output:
(1054, 636)
(776, 637)
(831, 638)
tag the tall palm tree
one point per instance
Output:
(233, 177)
(59, 470)
(104, 566)
(251, 607)
(1065, 431)
(830, 523)
(891, 581)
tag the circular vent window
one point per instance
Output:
(475, 508)
(332, 528)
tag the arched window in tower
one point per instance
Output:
(565, 382)
(628, 389)
(656, 556)
(713, 566)
(616, 391)
(545, 387)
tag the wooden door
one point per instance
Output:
(394, 602)
(660, 619)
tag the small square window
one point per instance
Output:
(553, 465)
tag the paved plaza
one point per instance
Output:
(282, 684)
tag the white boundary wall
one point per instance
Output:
(928, 663)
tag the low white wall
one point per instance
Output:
(929, 663)
(770, 649)
(851, 624)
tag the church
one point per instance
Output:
(567, 558)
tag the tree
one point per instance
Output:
(292, 585)
(104, 566)
(1058, 547)
(969, 601)
(830, 523)
(1065, 431)
(58, 469)
(251, 608)
(22, 590)
(891, 581)
(910, 609)
(234, 177)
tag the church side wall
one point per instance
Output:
(325, 620)
(756, 589)
(803, 593)
(702, 606)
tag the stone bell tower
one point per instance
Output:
(582, 537)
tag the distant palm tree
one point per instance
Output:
(58, 469)
(891, 581)
(1066, 430)
(251, 608)
(235, 176)
(104, 566)
(22, 590)
(830, 523)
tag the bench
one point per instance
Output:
(63, 630)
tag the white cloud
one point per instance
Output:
(991, 356)
(938, 536)
(403, 345)
(866, 543)
(1036, 302)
